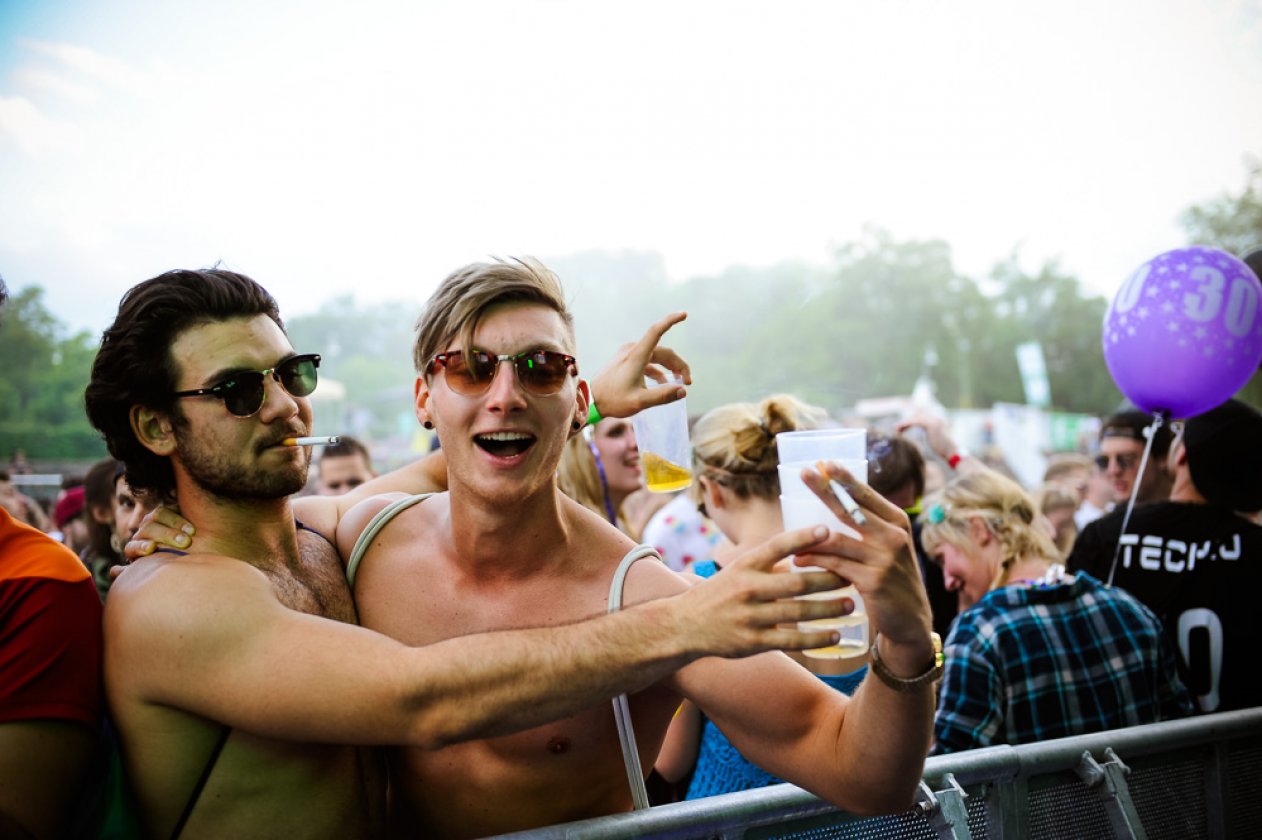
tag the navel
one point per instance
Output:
(559, 745)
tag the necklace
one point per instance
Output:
(1054, 576)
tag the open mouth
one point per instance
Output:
(505, 444)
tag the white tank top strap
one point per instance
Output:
(374, 527)
(621, 706)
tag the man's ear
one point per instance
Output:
(420, 396)
(153, 429)
(582, 399)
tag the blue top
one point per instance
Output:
(1026, 664)
(722, 769)
(720, 766)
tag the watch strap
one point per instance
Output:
(909, 684)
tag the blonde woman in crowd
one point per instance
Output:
(737, 485)
(1035, 652)
(1057, 504)
(600, 469)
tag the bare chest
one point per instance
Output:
(420, 602)
(317, 585)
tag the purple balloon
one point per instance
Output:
(1183, 334)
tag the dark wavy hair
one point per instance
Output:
(134, 365)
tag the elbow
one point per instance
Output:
(893, 796)
(881, 804)
(439, 726)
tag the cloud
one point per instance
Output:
(29, 129)
(91, 65)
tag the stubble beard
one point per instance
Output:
(215, 474)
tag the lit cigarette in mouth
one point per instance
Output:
(847, 501)
(315, 441)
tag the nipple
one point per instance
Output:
(558, 745)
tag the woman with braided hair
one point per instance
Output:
(1035, 652)
(737, 485)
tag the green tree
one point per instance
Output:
(1232, 222)
(369, 351)
(1049, 307)
(41, 391)
(865, 329)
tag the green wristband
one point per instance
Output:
(593, 416)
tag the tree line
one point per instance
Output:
(865, 326)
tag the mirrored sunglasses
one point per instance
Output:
(540, 372)
(243, 392)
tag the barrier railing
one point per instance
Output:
(1193, 778)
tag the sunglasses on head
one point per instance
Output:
(243, 392)
(540, 372)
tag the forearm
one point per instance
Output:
(496, 683)
(889, 734)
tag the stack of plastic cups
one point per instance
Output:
(801, 508)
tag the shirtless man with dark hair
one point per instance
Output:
(240, 685)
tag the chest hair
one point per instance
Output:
(317, 583)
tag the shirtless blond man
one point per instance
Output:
(505, 549)
(236, 677)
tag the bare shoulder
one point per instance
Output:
(648, 578)
(169, 607)
(164, 594)
(319, 513)
(357, 517)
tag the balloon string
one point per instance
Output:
(1158, 419)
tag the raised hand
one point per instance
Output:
(881, 564)
(748, 608)
(619, 389)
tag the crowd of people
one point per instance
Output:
(512, 632)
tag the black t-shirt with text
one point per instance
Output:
(1199, 568)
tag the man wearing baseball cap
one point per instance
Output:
(68, 516)
(1196, 560)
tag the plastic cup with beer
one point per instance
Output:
(661, 435)
(801, 508)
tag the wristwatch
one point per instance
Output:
(900, 684)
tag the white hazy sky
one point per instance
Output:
(334, 147)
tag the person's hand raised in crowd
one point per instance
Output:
(619, 389)
(938, 436)
(881, 563)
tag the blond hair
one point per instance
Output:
(1062, 464)
(1052, 496)
(1004, 508)
(463, 298)
(579, 478)
(736, 444)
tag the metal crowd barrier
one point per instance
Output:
(1194, 778)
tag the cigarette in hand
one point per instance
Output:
(847, 501)
(317, 441)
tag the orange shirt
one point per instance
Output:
(50, 630)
